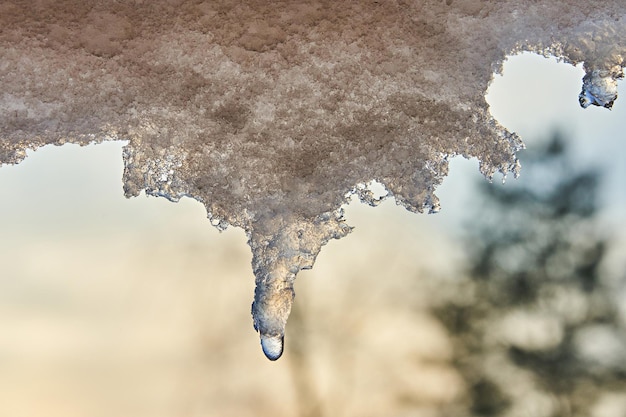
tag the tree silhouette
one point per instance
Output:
(535, 325)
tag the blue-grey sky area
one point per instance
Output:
(534, 97)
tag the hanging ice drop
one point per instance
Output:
(272, 346)
(273, 298)
(279, 252)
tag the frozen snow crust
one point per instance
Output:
(271, 113)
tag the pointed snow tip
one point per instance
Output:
(272, 346)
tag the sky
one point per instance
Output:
(536, 96)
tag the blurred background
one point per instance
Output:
(509, 302)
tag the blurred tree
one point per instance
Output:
(535, 324)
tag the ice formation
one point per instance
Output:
(272, 113)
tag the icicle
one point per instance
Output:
(273, 298)
(277, 256)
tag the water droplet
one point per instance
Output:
(272, 346)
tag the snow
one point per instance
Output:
(272, 114)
